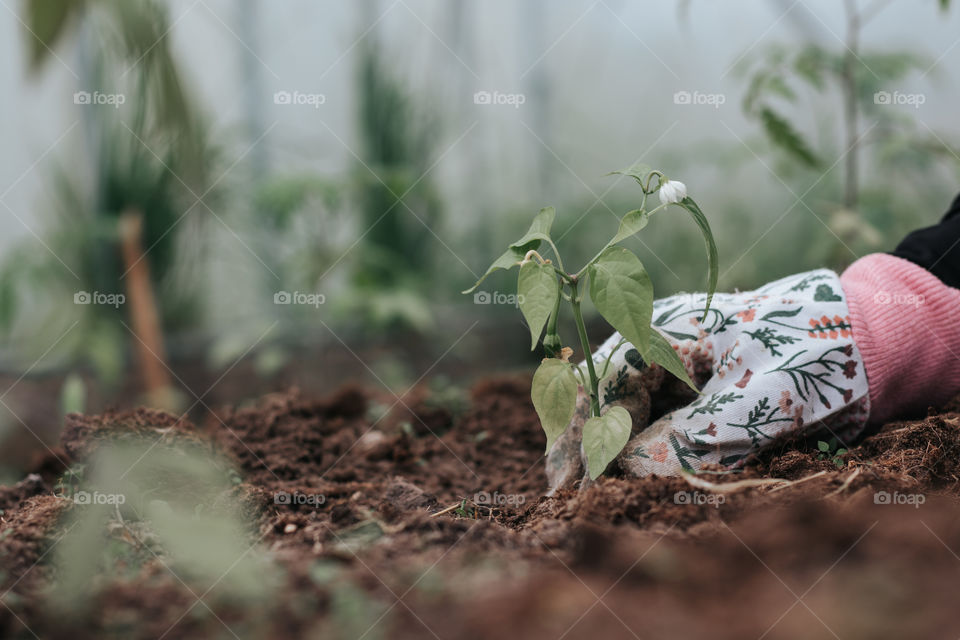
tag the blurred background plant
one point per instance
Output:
(150, 156)
(397, 202)
(873, 143)
(361, 239)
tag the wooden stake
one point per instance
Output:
(144, 317)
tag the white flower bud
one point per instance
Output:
(672, 192)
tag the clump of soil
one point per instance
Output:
(418, 520)
(83, 435)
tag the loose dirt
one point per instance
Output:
(431, 522)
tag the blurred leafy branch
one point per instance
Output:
(151, 157)
(778, 76)
(132, 42)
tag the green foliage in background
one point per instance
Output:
(364, 240)
(398, 207)
(880, 132)
(782, 74)
(152, 155)
(299, 225)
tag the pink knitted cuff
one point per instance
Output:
(905, 325)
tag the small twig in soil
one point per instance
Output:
(730, 487)
(465, 508)
(846, 483)
(447, 510)
(796, 482)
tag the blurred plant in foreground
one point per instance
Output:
(136, 505)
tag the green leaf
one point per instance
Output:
(630, 224)
(48, 22)
(823, 446)
(713, 259)
(777, 85)
(639, 172)
(540, 229)
(782, 134)
(623, 294)
(661, 352)
(604, 438)
(554, 395)
(537, 291)
(811, 64)
(754, 90)
(892, 66)
(8, 300)
(508, 260)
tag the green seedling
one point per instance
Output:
(831, 451)
(622, 293)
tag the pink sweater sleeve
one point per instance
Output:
(905, 324)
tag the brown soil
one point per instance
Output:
(406, 545)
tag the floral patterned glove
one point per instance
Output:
(778, 359)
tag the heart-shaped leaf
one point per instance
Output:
(508, 260)
(662, 352)
(639, 172)
(604, 438)
(630, 224)
(539, 229)
(623, 294)
(554, 395)
(537, 291)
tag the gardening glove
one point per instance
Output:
(794, 356)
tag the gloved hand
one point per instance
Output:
(792, 356)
